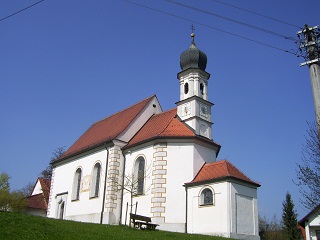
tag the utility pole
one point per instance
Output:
(310, 41)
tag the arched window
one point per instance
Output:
(207, 197)
(95, 180)
(76, 184)
(139, 175)
(186, 88)
(201, 88)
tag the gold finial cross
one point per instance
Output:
(193, 28)
(192, 34)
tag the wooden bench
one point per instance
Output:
(142, 222)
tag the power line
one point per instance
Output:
(211, 27)
(261, 15)
(20, 10)
(233, 20)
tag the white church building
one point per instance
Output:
(164, 161)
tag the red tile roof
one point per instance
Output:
(162, 125)
(107, 129)
(40, 201)
(219, 170)
(37, 201)
(45, 186)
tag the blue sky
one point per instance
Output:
(67, 64)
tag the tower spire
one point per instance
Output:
(194, 108)
(192, 34)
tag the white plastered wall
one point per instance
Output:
(180, 169)
(85, 209)
(234, 212)
(210, 219)
(143, 201)
(244, 205)
(183, 161)
(37, 188)
(312, 225)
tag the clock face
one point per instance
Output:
(203, 110)
(186, 109)
(203, 130)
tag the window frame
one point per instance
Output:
(95, 181)
(202, 197)
(77, 184)
(139, 190)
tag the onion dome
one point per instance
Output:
(193, 57)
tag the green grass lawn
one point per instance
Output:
(22, 226)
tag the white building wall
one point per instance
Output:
(209, 219)
(36, 212)
(85, 209)
(244, 207)
(202, 154)
(182, 162)
(37, 188)
(180, 170)
(143, 202)
(313, 225)
(234, 212)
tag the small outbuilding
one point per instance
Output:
(311, 224)
(38, 200)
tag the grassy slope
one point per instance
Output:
(21, 226)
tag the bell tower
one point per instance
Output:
(194, 108)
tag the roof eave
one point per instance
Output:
(192, 184)
(89, 148)
(303, 220)
(196, 137)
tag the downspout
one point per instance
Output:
(122, 189)
(186, 224)
(105, 186)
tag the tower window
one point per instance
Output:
(186, 88)
(201, 88)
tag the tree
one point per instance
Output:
(289, 219)
(56, 154)
(27, 189)
(4, 181)
(4, 192)
(308, 172)
(18, 201)
(10, 201)
(270, 229)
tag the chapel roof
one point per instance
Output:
(162, 125)
(220, 170)
(106, 129)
